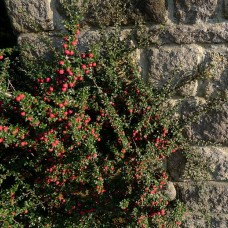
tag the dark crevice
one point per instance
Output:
(7, 37)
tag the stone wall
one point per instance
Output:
(183, 35)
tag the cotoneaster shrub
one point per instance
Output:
(83, 142)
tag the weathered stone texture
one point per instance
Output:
(213, 164)
(211, 127)
(155, 10)
(37, 45)
(30, 16)
(211, 220)
(170, 64)
(170, 191)
(191, 11)
(205, 68)
(188, 34)
(204, 197)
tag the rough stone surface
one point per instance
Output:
(204, 197)
(211, 127)
(30, 16)
(172, 64)
(155, 10)
(36, 45)
(188, 34)
(170, 191)
(211, 220)
(217, 160)
(213, 161)
(191, 11)
(205, 68)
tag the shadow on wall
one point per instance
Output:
(7, 37)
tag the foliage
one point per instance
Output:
(83, 141)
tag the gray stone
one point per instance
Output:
(191, 11)
(217, 161)
(205, 220)
(88, 38)
(209, 127)
(211, 197)
(174, 64)
(205, 163)
(214, 79)
(191, 70)
(38, 45)
(170, 191)
(155, 10)
(220, 221)
(187, 34)
(106, 12)
(30, 16)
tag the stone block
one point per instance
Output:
(213, 164)
(188, 34)
(209, 127)
(191, 11)
(155, 10)
(170, 191)
(217, 162)
(37, 45)
(174, 64)
(192, 70)
(207, 197)
(205, 220)
(30, 16)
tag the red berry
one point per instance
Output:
(64, 85)
(64, 89)
(67, 52)
(1, 57)
(22, 96)
(47, 79)
(83, 66)
(74, 42)
(94, 64)
(51, 89)
(90, 55)
(71, 85)
(18, 98)
(52, 115)
(162, 212)
(69, 72)
(23, 113)
(61, 62)
(65, 46)
(61, 71)
(83, 55)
